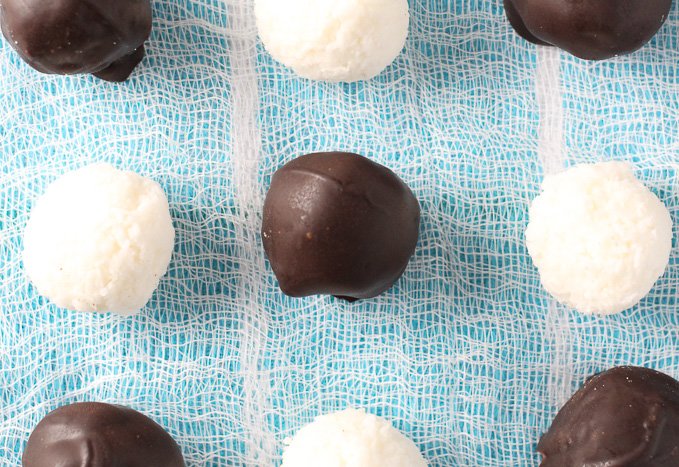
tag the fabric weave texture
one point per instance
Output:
(466, 354)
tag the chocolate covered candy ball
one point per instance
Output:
(93, 434)
(589, 29)
(337, 223)
(623, 417)
(99, 239)
(102, 37)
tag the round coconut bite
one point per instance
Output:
(99, 239)
(333, 40)
(93, 434)
(351, 438)
(599, 238)
(624, 417)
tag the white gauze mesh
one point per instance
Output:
(466, 354)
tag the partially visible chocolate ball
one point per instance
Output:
(102, 37)
(337, 223)
(94, 434)
(623, 417)
(589, 29)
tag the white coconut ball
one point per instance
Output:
(333, 40)
(599, 238)
(99, 239)
(351, 438)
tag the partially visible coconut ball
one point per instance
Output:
(351, 438)
(599, 237)
(99, 239)
(333, 40)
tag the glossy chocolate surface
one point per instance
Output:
(624, 417)
(589, 29)
(102, 37)
(337, 223)
(93, 434)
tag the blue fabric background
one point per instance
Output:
(466, 354)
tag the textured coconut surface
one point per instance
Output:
(99, 239)
(333, 41)
(467, 354)
(599, 237)
(351, 438)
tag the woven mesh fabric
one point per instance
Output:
(466, 354)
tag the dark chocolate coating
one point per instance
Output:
(102, 37)
(589, 29)
(337, 223)
(93, 434)
(623, 417)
